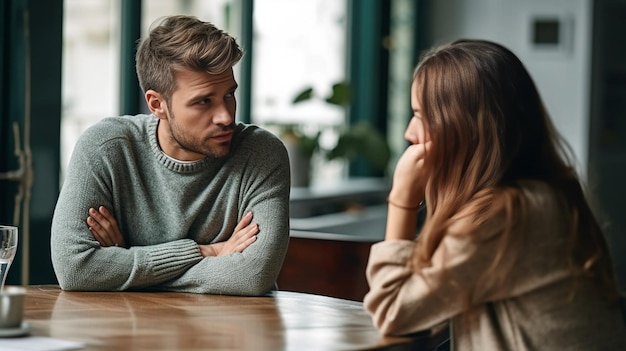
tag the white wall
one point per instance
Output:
(562, 75)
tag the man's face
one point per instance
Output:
(200, 117)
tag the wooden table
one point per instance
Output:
(180, 321)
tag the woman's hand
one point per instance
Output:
(243, 236)
(409, 180)
(103, 227)
(407, 192)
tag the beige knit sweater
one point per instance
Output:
(534, 313)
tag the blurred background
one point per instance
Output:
(330, 77)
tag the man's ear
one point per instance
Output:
(156, 104)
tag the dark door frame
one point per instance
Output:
(30, 116)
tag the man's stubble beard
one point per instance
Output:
(195, 146)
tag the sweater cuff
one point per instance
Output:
(170, 259)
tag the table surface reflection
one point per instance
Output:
(182, 321)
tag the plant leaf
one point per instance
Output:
(304, 95)
(340, 95)
(362, 139)
(308, 145)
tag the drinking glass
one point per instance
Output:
(8, 247)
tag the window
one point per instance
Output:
(300, 44)
(90, 75)
(91, 51)
(296, 44)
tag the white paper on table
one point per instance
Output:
(39, 343)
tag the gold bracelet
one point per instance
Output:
(411, 208)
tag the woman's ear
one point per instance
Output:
(156, 104)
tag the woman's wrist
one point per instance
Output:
(403, 206)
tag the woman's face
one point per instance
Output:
(415, 132)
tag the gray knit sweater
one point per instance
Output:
(165, 208)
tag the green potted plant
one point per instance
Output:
(353, 141)
(361, 139)
(301, 147)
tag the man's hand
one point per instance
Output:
(243, 236)
(104, 227)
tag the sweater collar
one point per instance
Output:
(185, 166)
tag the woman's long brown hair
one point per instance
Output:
(489, 130)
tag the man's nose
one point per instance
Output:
(224, 116)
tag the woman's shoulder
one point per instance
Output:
(541, 196)
(490, 210)
(543, 212)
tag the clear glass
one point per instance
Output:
(8, 247)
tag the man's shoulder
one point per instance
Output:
(118, 128)
(256, 143)
(252, 135)
(254, 131)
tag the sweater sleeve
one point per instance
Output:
(80, 263)
(262, 166)
(403, 301)
(165, 210)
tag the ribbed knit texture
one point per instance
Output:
(164, 208)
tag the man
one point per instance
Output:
(184, 199)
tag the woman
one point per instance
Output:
(510, 252)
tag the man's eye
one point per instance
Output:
(229, 96)
(203, 102)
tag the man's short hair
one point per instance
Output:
(183, 42)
